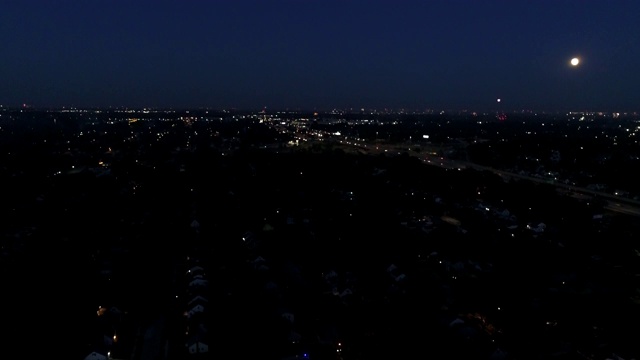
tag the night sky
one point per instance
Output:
(322, 54)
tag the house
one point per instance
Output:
(96, 356)
(195, 225)
(288, 316)
(330, 275)
(294, 337)
(249, 240)
(197, 343)
(197, 347)
(346, 292)
(248, 237)
(259, 263)
(271, 286)
(115, 311)
(537, 229)
(196, 270)
(198, 309)
(115, 315)
(498, 354)
(267, 227)
(391, 268)
(198, 300)
(198, 283)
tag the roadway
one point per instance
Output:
(613, 203)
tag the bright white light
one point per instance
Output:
(575, 61)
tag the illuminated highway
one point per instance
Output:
(613, 203)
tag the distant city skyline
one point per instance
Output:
(309, 55)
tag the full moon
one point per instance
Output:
(575, 61)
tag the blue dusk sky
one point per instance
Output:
(312, 54)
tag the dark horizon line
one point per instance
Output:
(397, 110)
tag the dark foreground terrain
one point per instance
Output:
(312, 253)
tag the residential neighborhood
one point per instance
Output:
(195, 237)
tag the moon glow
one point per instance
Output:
(575, 61)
